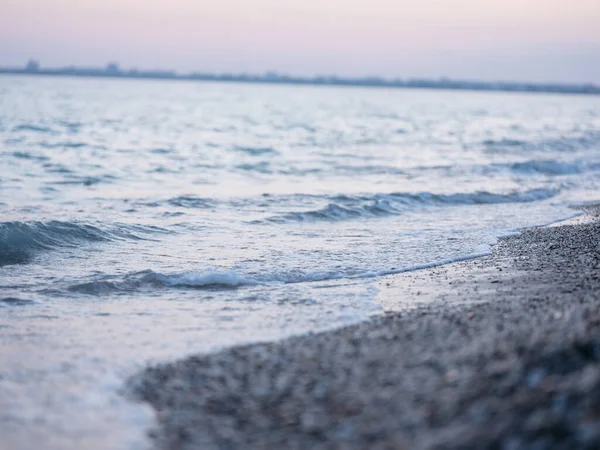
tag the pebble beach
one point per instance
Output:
(497, 352)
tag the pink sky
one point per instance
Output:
(545, 40)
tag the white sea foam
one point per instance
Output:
(205, 278)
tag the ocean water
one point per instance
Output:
(143, 221)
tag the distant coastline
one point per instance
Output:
(113, 71)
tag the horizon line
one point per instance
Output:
(113, 70)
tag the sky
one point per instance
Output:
(511, 40)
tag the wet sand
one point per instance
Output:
(499, 352)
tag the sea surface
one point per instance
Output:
(143, 221)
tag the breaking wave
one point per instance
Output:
(351, 207)
(20, 241)
(149, 280)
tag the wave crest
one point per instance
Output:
(206, 279)
(149, 280)
(20, 241)
(551, 167)
(351, 207)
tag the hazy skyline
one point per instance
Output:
(535, 40)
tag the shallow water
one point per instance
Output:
(146, 220)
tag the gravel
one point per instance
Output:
(501, 352)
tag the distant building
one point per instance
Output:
(32, 66)
(112, 69)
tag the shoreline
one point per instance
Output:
(504, 87)
(497, 352)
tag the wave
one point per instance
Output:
(350, 207)
(255, 151)
(585, 140)
(221, 280)
(66, 144)
(553, 167)
(15, 301)
(499, 143)
(148, 281)
(342, 169)
(34, 128)
(263, 167)
(20, 241)
(548, 167)
(82, 180)
(184, 201)
(206, 279)
(29, 155)
(343, 207)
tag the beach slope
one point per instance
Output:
(499, 352)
